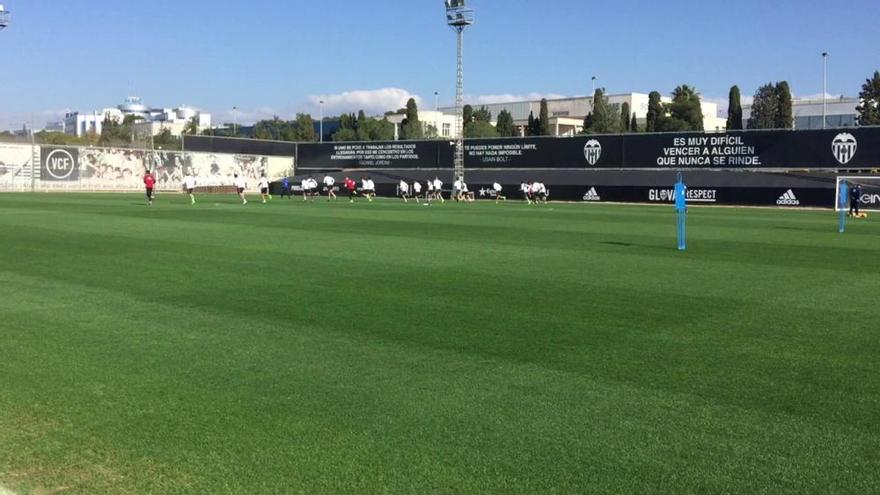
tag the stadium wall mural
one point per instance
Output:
(96, 169)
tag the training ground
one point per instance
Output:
(384, 347)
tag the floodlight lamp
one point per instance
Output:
(458, 16)
(4, 16)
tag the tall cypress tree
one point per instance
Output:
(544, 119)
(411, 127)
(869, 96)
(505, 125)
(634, 125)
(764, 108)
(784, 115)
(588, 124)
(531, 128)
(655, 112)
(734, 110)
(624, 117)
(600, 113)
(467, 114)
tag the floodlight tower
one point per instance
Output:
(4, 16)
(459, 17)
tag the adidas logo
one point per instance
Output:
(788, 199)
(592, 195)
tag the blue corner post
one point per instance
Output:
(842, 198)
(681, 211)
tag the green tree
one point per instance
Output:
(544, 119)
(275, 129)
(346, 135)
(685, 111)
(634, 124)
(304, 128)
(505, 125)
(480, 125)
(480, 129)
(532, 126)
(59, 138)
(655, 112)
(734, 110)
(411, 128)
(482, 115)
(467, 115)
(624, 117)
(764, 108)
(192, 126)
(382, 130)
(604, 118)
(588, 123)
(114, 132)
(869, 101)
(166, 141)
(784, 115)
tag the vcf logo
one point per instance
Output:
(60, 164)
(844, 147)
(593, 151)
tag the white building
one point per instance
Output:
(152, 120)
(840, 112)
(434, 123)
(567, 114)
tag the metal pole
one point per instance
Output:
(234, 122)
(321, 123)
(437, 113)
(458, 166)
(33, 155)
(824, 88)
(594, 86)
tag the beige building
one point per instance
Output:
(434, 124)
(567, 114)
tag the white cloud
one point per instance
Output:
(372, 101)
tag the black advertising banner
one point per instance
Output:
(851, 148)
(59, 164)
(665, 194)
(698, 150)
(826, 149)
(213, 144)
(577, 152)
(376, 155)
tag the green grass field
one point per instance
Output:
(384, 347)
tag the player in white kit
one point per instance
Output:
(329, 182)
(189, 184)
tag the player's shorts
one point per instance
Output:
(189, 190)
(149, 192)
(264, 190)
(240, 190)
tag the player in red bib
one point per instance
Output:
(149, 182)
(352, 189)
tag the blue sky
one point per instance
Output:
(279, 57)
